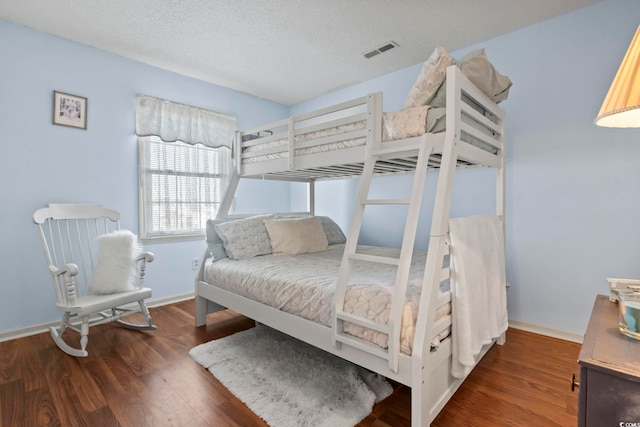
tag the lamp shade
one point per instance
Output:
(621, 107)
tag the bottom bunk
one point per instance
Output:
(437, 390)
(295, 295)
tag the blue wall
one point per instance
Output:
(44, 163)
(573, 189)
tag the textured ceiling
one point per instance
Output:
(287, 51)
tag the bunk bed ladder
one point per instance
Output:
(403, 263)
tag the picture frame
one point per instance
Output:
(69, 110)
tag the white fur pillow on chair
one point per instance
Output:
(115, 268)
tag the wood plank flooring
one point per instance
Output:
(148, 379)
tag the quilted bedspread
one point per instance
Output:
(304, 285)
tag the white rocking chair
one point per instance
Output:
(69, 233)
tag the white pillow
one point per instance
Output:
(296, 236)
(404, 123)
(115, 267)
(433, 73)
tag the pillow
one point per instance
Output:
(245, 238)
(440, 98)
(115, 266)
(404, 123)
(430, 78)
(296, 236)
(214, 242)
(334, 233)
(332, 230)
(437, 120)
(481, 72)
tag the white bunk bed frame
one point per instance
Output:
(426, 371)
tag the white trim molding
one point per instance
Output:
(546, 331)
(12, 334)
(26, 331)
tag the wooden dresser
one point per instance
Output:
(609, 371)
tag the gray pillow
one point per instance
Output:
(332, 230)
(437, 120)
(440, 98)
(245, 238)
(214, 242)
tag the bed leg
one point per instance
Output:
(201, 311)
(419, 405)
(502, 339)
(419, 392)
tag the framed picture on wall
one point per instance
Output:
(69, 110)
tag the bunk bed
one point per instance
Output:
(356, 139)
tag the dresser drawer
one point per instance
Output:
(609, 371)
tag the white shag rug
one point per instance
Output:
(289, 383)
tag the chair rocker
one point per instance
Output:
(69, 234)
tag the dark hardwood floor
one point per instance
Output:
(148, 379)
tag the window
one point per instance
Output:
(184, 161)
(181, 187)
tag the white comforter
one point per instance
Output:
(304, 285)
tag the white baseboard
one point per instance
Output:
(26, 331)
(12, 334)
(170, 300)
(543, 330)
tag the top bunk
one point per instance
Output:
(445, 106)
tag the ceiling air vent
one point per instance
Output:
(380, 49)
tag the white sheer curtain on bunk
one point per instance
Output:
(184, 164)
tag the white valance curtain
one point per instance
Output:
(171, 121)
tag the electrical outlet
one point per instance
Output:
(195, 263)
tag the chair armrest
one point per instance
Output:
(147, 256)
(141, 261)
(70, 269)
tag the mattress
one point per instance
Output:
(254, 156)
(304, 285)
(395, 126)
